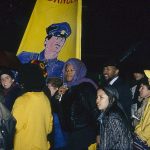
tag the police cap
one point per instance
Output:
(59, 29)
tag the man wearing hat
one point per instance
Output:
(54, 41)
(111, 72)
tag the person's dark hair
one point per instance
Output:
(55, 82)
(48, 37)
(138, 68)
(112, 94)
(114, 106)
(146, 83)
(31, 77)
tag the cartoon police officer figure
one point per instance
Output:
(54, 41)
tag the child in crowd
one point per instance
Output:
(142, 128)
(10, 89)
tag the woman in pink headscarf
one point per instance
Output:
(78, 105)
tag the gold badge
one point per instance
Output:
(63, 32)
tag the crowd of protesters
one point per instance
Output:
(74, 112)
(53, 105)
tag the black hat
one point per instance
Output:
(59, 29)
(8, 72)
(112, 63)
(138, 69)
(31, 77)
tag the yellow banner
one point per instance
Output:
(47, 12)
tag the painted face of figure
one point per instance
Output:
(53, 46)
(102, 100)
(138, 76)
(144, 91)
(110, 72)
(52, 89)
(69, 72)
(6, 81)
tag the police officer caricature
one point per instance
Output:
(54, 41)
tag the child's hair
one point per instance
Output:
(146, 83)
(54, 81)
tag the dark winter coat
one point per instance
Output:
(78, 115)
(125, 96)
(78, 107)
(11, 94)
(7, 128)
(115, 134)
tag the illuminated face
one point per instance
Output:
(102, 100)
(6, 81)
(144, 91)
(69, 72)
(109, 72)
(53, 46)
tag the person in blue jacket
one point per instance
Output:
(54, 41)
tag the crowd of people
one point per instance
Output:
(53, 105)
(74, 112)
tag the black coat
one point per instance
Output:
(78, 106)
(78, 113)
(125, 95)
(11, 95)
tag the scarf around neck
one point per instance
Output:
(80, 73)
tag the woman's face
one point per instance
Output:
(6, 81)
(69, 72)
(102, 100)
(144, 91)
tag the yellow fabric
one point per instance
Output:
(34, 121)
(47, 12)
(92, 147)
(143, 128)
(147, 73)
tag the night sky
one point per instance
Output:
(111, 29)
(114, 28)
(14, 16)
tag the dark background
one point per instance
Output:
(116, 29)
(111, 29)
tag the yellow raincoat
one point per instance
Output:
(143, 128)
(34, 121)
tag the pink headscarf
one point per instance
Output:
(80, 73)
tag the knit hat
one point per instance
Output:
(8, 72)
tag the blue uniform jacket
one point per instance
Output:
(53, 66)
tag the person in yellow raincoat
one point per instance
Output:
(142, 130)
(32, 111)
